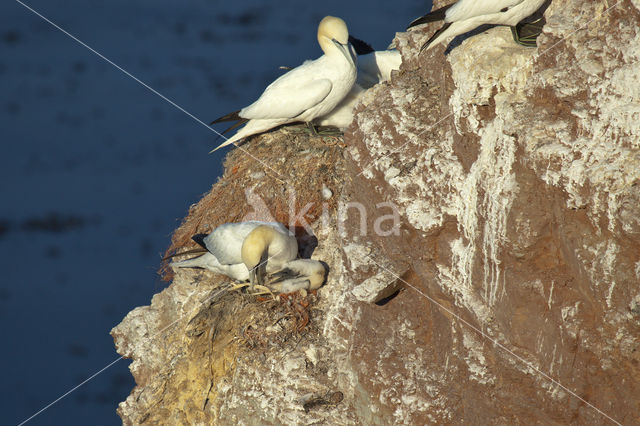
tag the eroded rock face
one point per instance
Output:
(509, 291)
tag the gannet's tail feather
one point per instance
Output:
(229, 141)
(435, 36)
(232, 116)
(207, 260)
(192, 251)
(434, 16)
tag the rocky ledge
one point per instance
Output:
(481, 222)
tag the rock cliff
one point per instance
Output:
(481, 222)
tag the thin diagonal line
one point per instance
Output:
(94, 375)
(468, 324)
(571, 34)
(419, 291)
(151, 89)
(562, 40)
(495, 342)
(121, 357)
(71, 390)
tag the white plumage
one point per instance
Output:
(235, 271)
(296, 275)
(373, 68)
(263, 252)
(311, 90)
(466, 15)
(224, 249)
(376, 67)
(225, 242)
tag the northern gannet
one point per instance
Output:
(298, 274)
(373, 67)
(245, 250)
(308, 91)
(466, 15)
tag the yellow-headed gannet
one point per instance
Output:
(466, 15)
(373, 67)
(298, 274)
(308, 91)
(245, 250)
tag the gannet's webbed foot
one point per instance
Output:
(262, 290)
(329, 131)
(312, 129)
(240, 286)
(251, 289)
(526, 33)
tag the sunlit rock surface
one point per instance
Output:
(509, 291)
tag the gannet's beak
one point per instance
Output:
(253, 276)
(258, 273)
(347, 50)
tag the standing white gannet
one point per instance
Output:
(307, 91)
(373, 67)
(466, 15)
(246, 250)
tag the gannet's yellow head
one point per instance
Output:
(331, 30)
(254, 252)
(255, 244)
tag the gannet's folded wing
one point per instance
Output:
(466, 9)
(287, 99)
(225, 242)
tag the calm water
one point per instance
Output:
(96, 171)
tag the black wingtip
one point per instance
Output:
(434, 36)
(238, 124)
(232, 116)
(434, 16)
(361, 47)
(199, 239)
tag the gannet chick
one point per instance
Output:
(466, 15)
(373, 67)
(245, 251)
(298, 274)
(308, 91)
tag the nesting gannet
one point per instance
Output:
(246, 250)
(298, 274)
(373, 67)
(308, 91)
(466, 15)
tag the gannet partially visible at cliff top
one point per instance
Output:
(373, 67)
(245, 250)
(307, 91)
(466, 15)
